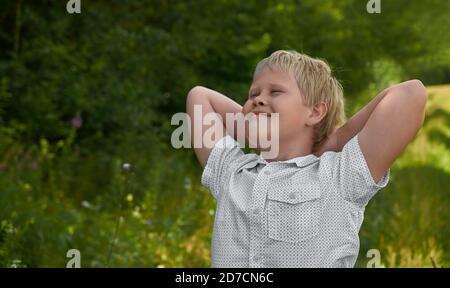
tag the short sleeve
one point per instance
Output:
(353, 177)
(218, 166)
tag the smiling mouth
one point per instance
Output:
(261, 114)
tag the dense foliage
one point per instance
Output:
(82, 94)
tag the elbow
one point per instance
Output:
(413, 94)
(192, 94)
(419, 97)
(192, 91)
(195, 92)
(418, 92)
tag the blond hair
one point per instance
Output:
(316, 83)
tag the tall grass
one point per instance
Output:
(59, 196)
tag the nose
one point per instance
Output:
(259, 101)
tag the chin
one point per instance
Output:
(261, 142)
(261, 139)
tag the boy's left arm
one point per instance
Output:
(385, 125)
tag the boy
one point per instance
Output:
(304, 207)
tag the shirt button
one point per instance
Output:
(267, 172)
(256, 211)
(292, 195)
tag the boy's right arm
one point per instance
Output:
(210, 101)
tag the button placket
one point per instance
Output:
(258, 197)
(255, 210)
(256, 217)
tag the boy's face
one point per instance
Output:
(275, 91)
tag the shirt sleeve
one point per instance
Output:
(353, 177)
(218, 166)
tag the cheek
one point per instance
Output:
(291, 121)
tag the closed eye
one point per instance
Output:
(272, 92)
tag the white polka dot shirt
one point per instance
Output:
(302, 212)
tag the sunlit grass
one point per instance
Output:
(408, 221)
(432, 144)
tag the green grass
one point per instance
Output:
(408, 221)
(54, 198)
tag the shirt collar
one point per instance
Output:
(301, 161)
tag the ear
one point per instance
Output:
(317, 113)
